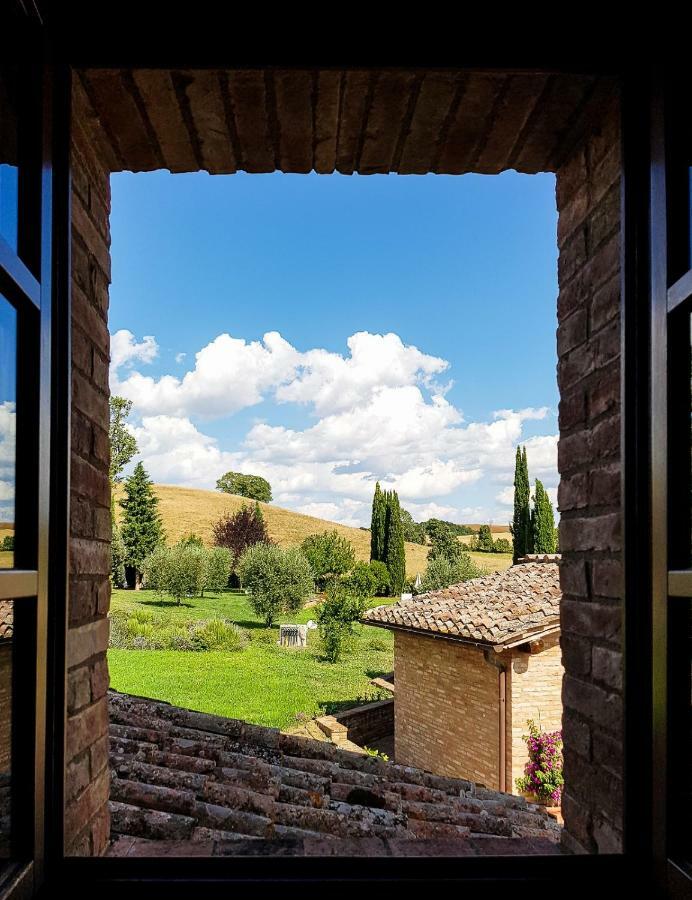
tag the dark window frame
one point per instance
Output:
(644, 860)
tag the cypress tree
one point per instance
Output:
(395, 555)
(377, 525)
(521, 523)
(543, 521)
(141, 525)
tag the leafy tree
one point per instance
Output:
(543, 521)
(383, 582)
(218, 569)
(395, 556)
(335, 617)
(485, 539)
(252, 486)
(502, 545)
(117, 556)
(279, 581)
(377, 524)
(240, 530)
(521, 523)
(141, 522)
(431, 524)
(122, 441)
(443, 571)
(362, 580)
(329, 555)
(7, 542)
(413, 531)
(191, 540)
(444, 543)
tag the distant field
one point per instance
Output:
(6, 558)
(497, 535)
(186, 510)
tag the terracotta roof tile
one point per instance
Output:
(184, 776)
(493, 609)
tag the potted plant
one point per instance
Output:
(543, 781)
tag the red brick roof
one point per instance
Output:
(6, 620)
(200, 782)
(495, 609)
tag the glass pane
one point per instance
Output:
(8, 396)
(9, 160)
(6, 635)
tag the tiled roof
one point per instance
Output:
(201, 783)
(6, 620)
(495, 609)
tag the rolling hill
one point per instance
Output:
(189, 510)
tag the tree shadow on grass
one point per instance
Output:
(247, 623)
(166, 604)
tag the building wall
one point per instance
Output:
(534, 691)
(588, 343)
(446, 709)
(5, 705)
(87, 780)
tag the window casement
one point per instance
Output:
(656, 298)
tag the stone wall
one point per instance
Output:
(534, 691)
(87, 778)
(446, 709)
(588, 342)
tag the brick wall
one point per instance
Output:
(369, 722)
(534, 691)
(446, 709)
(588, 340)
(87, 780)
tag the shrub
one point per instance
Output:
(218, 568)
(329, 555)
(502, 545)
(279, 580)
(362, 581)
(142, 630)
(117, 557)
(382, 580)
(442, 571)
(335, 619)
(543, 772)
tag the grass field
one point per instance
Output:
(186, 510)
(6, 557)
(264, 683)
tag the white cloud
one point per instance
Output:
(179, 357)
(378, 414)
(125, 351)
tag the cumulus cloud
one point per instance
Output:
(375, 413)
(126, 351)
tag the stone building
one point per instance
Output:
(472, 664)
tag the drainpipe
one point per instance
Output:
(502, 725)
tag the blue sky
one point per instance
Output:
(459, 272)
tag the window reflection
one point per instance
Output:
(8, 396)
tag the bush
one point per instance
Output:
(335, 619)
(383, 582)
(362, 581)
(543, 772)
(7, 542)
(142, 630)
(441, 572)
(329, 555)
(279, 581)
(502, 545)
(187, 569)
(218, 569)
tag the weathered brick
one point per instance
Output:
(591, 619)
(99, 678)
(605, 305)
(599, 706)
(576, 733)
(85, 727)
(604, 486)
(606, 667)
(78, 689)
(597, 533)
(603, 391)
(572, 331)
(576, 654)
(606, 577)
(572, 412)
(89, 557)
(573, 577)
(77, 776)
(86, 641)
(573, 492)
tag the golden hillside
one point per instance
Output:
(189, 510)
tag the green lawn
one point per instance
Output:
(264, 683)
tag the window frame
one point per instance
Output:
(643, 377)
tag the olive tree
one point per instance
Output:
(279, 580)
